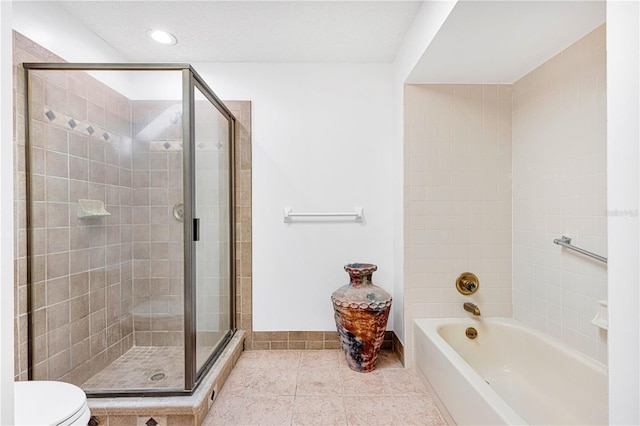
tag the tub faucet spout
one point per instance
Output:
(471, 307)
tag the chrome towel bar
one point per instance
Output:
(356, 214)
(566, 242)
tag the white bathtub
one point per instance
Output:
(509, 374)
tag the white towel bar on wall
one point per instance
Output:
(356, 214)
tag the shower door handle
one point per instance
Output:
(196, 229)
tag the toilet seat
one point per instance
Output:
(50, 403)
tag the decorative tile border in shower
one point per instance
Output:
(78, 126)
(176, 145)
(161, 146)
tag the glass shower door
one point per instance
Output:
(134, 299)
(212, 151)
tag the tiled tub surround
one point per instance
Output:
(559, 188)
(457, 199)
(461, 144)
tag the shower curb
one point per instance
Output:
(183, 410)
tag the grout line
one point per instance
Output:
(295, 391)
(238, 415)
(342, 397)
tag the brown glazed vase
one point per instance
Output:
(361, 310)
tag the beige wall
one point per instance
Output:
(82, 268)
(559, 188)
(457, 199)
(458, 196)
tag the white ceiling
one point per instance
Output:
(251, 31)
(480, 42)
(501, 41)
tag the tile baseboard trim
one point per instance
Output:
(398, 348)
(313, 340)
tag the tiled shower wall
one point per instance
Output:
(457, 200)
(212, 180)
(559, 188)
(243, 220)
(82, 268)
(158, 178)
(158, 248)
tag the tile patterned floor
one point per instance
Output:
(318, 388)
(133, 370)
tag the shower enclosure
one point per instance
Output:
(130, 236)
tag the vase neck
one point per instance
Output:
(360, 280)
(360, 273)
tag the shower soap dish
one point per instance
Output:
(601, 318)
(89, 209)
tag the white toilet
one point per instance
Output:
(50, 403)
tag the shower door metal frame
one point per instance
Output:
(190, 80)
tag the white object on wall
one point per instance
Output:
(356, 214)
(601, 319)
(91, 209)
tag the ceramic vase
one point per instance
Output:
(361, 310)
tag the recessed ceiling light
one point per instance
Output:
(161, 36)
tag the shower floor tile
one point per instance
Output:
(317, 387)
(142, 367)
